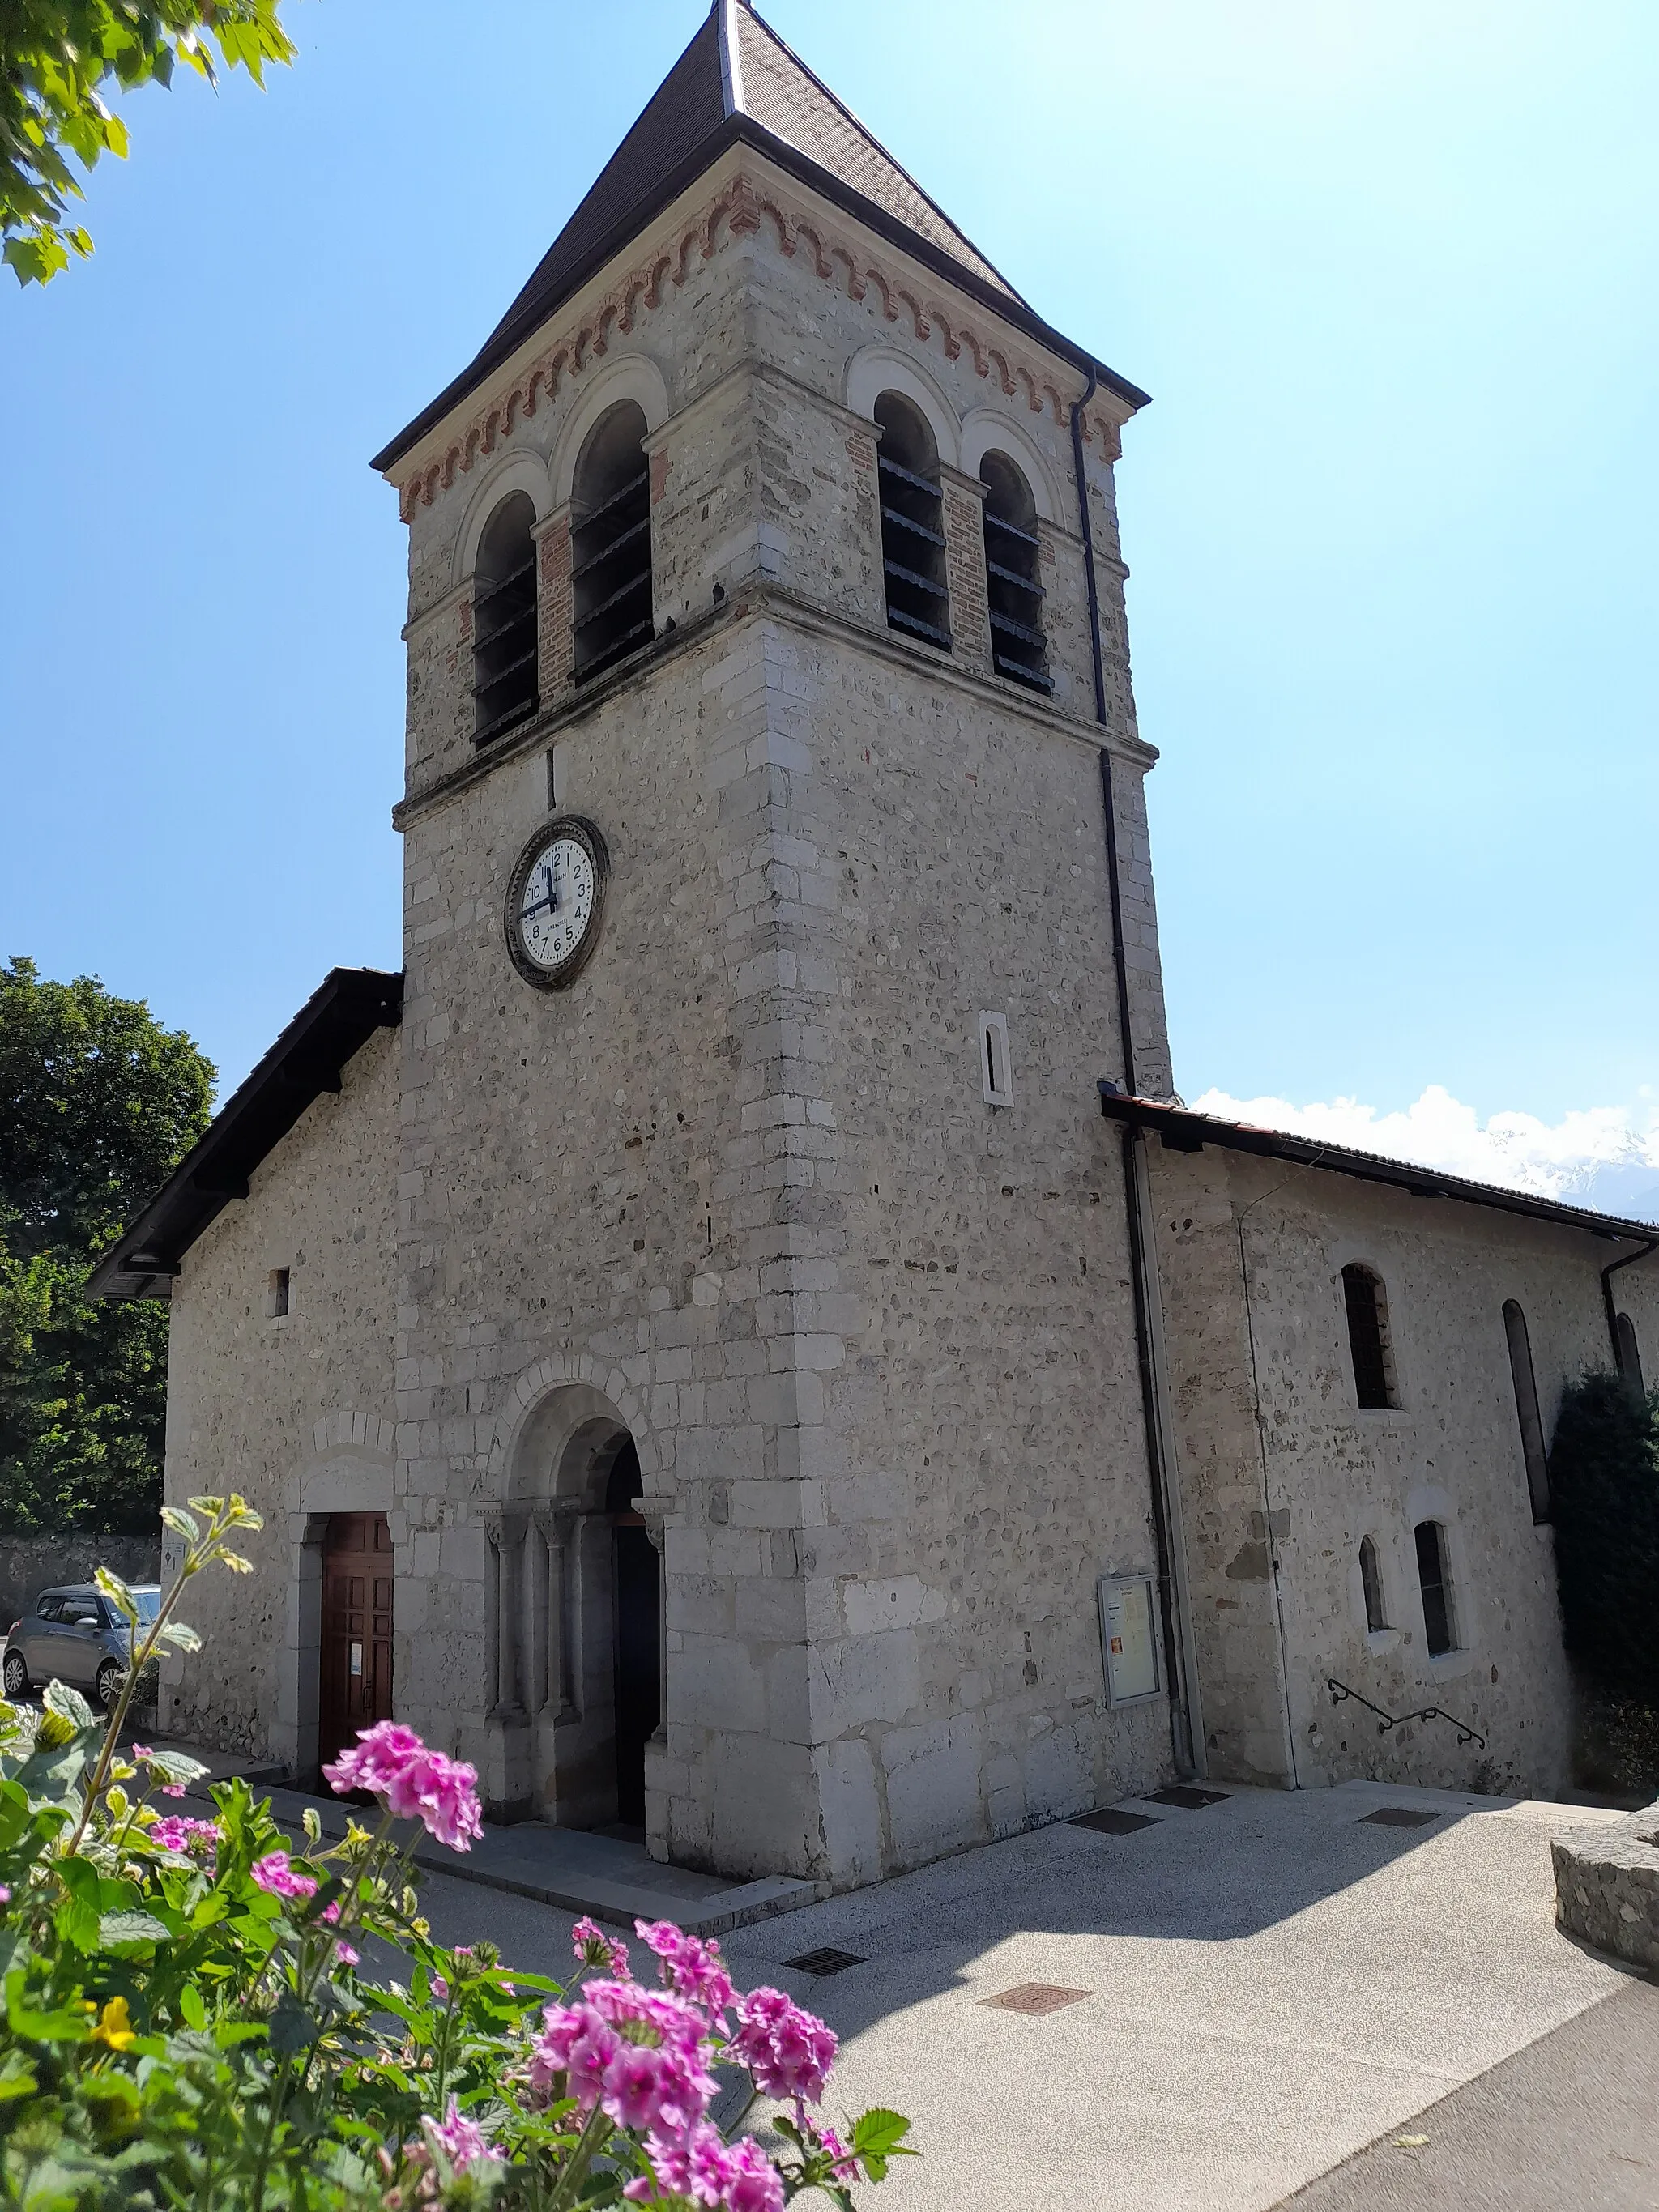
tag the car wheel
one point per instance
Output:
(16, 1675)
(109, 1683)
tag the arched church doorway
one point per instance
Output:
(354, 1669)
(636, 1587)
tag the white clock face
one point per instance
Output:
(556, 906)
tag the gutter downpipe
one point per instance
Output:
(1140, 1255)
(1608, 1273)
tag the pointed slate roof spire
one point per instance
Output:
(737, 80)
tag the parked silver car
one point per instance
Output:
(76, 1635)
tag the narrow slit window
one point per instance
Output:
(1013, 564)
(276, 1293)
(505, 631)
(912, 524)
(1435, 1583)
(1370, 1578)
(1368, 1336)
(994, 1060)
(1525, 1410)
(1630, 1353)
(610, 542)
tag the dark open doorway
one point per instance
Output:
(355, 1684)
(639, 1635)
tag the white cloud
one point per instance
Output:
(1600, 1156)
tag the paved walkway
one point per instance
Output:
(1573, 2121)
(1265, 1986)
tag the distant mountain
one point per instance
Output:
(1629, 1190)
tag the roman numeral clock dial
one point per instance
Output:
(554, 898)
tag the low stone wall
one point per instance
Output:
(29, 1565)
(1606, 1887)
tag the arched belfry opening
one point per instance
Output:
(505, 678)
(574, 1628)
(912, 522)
(611, 541)
(1013, 574)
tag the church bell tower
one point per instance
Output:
(777, 893)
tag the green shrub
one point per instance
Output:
(187, 2022)
(1604, 1489)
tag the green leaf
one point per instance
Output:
(182, 1638)
(176, 1766)
(877, 2136)
(132, 1928)
(181, 1523)
(18, 2076)
(191, 2007)
(291, 2027)
(34, 2027)
(69, 1705)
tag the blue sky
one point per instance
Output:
(1388, 270)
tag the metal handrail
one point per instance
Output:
(1386, 1721)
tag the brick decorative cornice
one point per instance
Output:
(738, 209)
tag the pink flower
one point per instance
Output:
(142, 1751)
(440, 1988)
(753, 2184)
(330, 1914)
(845, 2164)
(578, 2043)
(463, 2141)
(170, 1834)
(415, 1784)
(5, 1894)
(273, 1874)
(172, 1790)
(690, 1965)
(594, 1947)
(788, 2051)
(708, 2165)
(344, 1955)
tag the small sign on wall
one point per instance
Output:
(1128, 1636)
(356, 1658)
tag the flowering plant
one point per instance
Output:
(188, 2022)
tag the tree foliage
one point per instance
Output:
(1604, 1488)
(98, 1104)
(57, 58)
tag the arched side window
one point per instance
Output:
(912, 523)
(1630, 1353)
(1525, 1410)
(1013, 562)
(505, 685)
(1368, 1335)
(611, 541)
(1434, 1579)
(1370, 1578)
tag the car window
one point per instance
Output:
(81, 1612)
(148, 1602)
(50, 1607)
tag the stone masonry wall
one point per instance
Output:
(1274, 1516)
(292, 1410)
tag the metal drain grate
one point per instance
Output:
(1189, 1801)
(1036, 1998)
(825, 1961)
(1397, 1816)
(1113, 1823)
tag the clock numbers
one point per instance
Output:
(552, 919)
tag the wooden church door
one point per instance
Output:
(356, 1684)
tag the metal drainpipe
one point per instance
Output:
(1180, 1744)
(1608, 1273)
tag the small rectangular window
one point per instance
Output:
(994, 1060)
(277, 1294)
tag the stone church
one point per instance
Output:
(739, 1337)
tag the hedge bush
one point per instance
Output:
(1604, 1490)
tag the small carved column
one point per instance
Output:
(507, 1547)
(559, 1524)
(535, 1617)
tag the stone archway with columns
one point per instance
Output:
(549, 1592)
